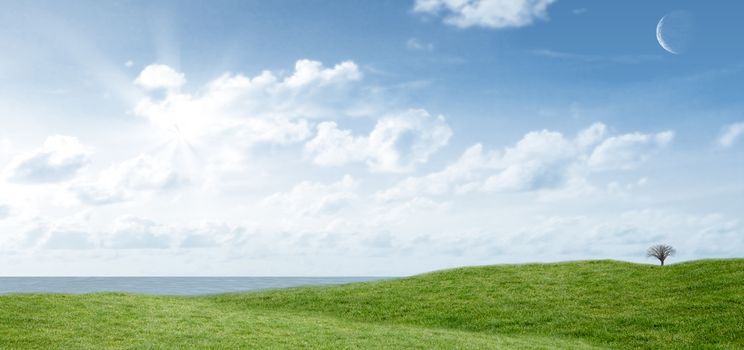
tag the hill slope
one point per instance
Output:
(607, 303)
(603, 304)
(120, 321)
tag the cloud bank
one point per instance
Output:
(397, 143)
(58, 159)
(540, 160)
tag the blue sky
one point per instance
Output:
(364, 137)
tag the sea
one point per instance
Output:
(163, 285)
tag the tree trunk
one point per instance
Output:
(662, 263)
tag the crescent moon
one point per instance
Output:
(660, 37)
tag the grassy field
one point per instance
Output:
(574, 305)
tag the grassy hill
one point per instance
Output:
(574, 305)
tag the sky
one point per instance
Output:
(365, 138)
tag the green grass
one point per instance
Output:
(574, 305)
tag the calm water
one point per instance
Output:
(162, 285)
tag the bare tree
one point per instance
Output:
(661, 252)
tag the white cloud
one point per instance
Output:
(235, 117)
(278, 131)
(631, 232)
(5, 146)
(57, 239)
(486, 13)
(711, 234)
(308, 72)
(65, 233)
(540, 160)
(591, 135)
(382, 214)
(59, 159)
(731, 134)
(160, 76)
(30, 236)
(211, 234)
(127, 232)
(143, 172)
(415, 44)
(397, 143)
(4, 211)
(333, 146)
(579, 11)
(95, 195)
(618, 59)
(469, 167)
(310, 198)
(623, 235)
(265, 108)
(119, 182)
(628, 150)
(137, 233)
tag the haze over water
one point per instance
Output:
(162, 285)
